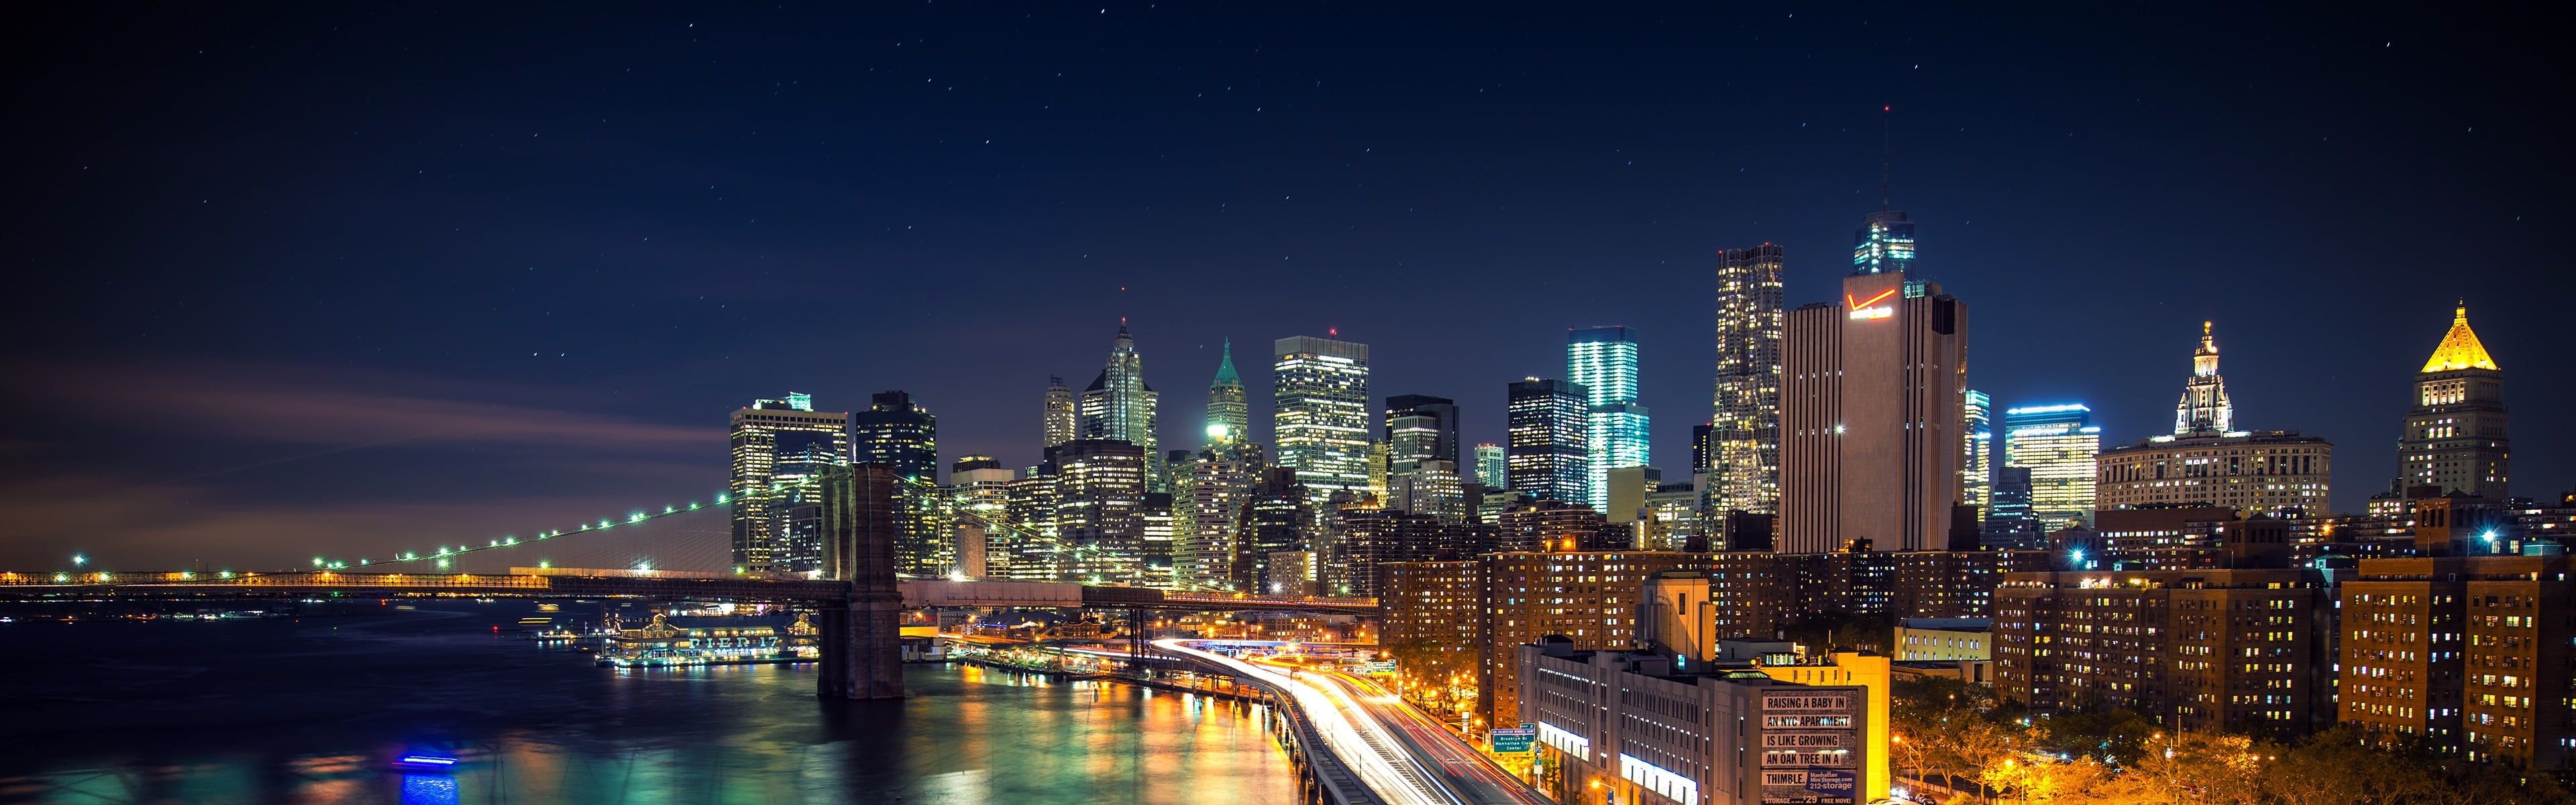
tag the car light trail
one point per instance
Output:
(1353, 735)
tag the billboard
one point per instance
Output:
(1811, 747)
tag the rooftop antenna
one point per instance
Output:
(1886, 153)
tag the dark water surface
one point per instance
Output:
(310, 710)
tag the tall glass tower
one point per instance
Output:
(896, 431)
(1492, 469)
(1744, 436)
(1884, 244)
(1320, 413)
(1603, 360)
(1059, 427)
(1976, 470)
(1549, 458)
(2059, 445)
(1229, 416)
(773, 438)
(1118, 405)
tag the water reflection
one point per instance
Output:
(271, 711)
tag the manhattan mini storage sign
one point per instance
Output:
(1810, 747)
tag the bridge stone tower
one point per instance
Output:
(862, 634)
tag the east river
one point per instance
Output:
(311, 710)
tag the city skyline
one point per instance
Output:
(591, 347)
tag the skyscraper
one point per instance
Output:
(2059, 444)
(1208, 493)
(1976, 468)
(2204, 407)
(757, 446)
(989, 543)
(1603, 360)
(1870, 405)
(1744, 436)
(1549, 454)
(2009, 524)
(1118, 405)
(2455, 434)
(1229, 415)
(1059, 424)
(1421, 428)
(1276, 520)
(1884, 244)
(1100, 508)
(800, 460)
(1320, 413)
(1493, 469)
(1422, 457)
(897, 432)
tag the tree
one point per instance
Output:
(2114, 735)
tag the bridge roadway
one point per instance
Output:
(1394, 750)
(527, 582)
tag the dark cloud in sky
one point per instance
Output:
(436, 265)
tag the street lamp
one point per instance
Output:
(79, 560)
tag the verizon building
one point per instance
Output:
(1870, 410)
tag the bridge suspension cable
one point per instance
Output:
(1070, 554)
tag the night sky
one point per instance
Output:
(357, 276)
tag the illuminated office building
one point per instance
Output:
(1277, 519)
(1493, 469)
(2272, 472)
(1100, 508)
(1320, 413)
(988, 541)
(1208, 494)
(1421, 444)
(795, 502)
(756, 445)
(1059, 423)
(1870, 404)
(897, 432)
(2455, 435)
(1884, 244)
(2059, 444)
(1421, 428)
(1549, 424)
(1743, 444)
(1603, 360)
(1229, 415)
(2009, 523)
(2206, 462)
(1035, 554)
(1427, 487)
(1976, 468)
(2204, 407)
(1118, 405)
